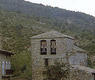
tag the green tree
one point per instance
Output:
(21, 64)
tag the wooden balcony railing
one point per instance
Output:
(9, 72)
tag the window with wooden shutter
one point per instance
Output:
(53, 46)
(43, 47)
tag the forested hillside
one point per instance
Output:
(27, 19)
(61, 17)
(17, 29)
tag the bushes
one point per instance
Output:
(57, 71)
(21, 64)
(66, 72)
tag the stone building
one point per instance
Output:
(5, 64)
(51, 47)
(84, 73)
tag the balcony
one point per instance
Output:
(8, 74)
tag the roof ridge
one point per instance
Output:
(51, 34)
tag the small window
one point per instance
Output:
(44, 72)
(43, 47)
(45, 79)
(46, 62)
(53, 46)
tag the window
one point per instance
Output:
(46, 62)
(53, 46)
(8, 65)
(44, 73)
(43, 47)
(3, 67)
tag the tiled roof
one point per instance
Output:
(84, 68)
(4, 52)
(78, 49)
(52, 34)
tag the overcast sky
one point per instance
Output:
(86, 6)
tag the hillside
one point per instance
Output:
(64, 19)
(17, 29)
(20, 20)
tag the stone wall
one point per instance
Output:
(63, 45)
(79, 75)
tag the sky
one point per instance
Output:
(86, 6)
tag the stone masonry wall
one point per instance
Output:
(63, 45)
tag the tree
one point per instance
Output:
(21, 64)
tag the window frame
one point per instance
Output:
(52, 53)
(41, 49)
(46, 62)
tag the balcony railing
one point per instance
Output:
(9, 72)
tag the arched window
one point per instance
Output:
(43, 47)
(53, 46)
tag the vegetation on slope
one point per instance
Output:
(71, 19)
